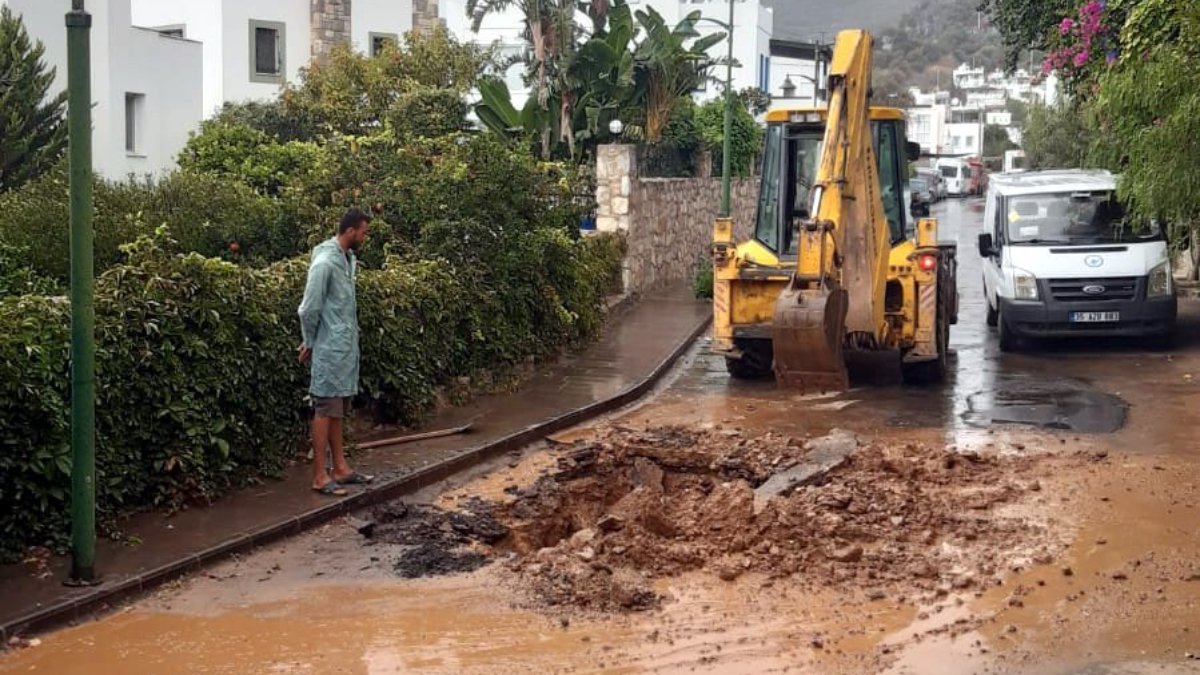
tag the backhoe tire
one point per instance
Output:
(756, 361)
(933, 372)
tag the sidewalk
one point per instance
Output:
(637, 348)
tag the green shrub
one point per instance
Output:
(244, 153)
(428, 113)
(206, 214)
(703, 284)
(199, 388)
(18, 278)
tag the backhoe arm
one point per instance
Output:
(838, 287)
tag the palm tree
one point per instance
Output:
(667, 67)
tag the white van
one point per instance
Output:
(1060, 258)
(956, 175)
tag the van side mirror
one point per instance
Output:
(987, 247)
(913, 150)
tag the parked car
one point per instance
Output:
(921, 198)
(937, 186)
(1061, 258)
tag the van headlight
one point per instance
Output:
(1159, 283)
(1024, 285)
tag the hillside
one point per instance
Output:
(806, 19)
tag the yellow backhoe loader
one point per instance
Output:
(836, 270)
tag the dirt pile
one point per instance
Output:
(624, 509)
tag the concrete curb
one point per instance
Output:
(105, 596)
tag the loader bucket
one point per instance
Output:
(807, 337)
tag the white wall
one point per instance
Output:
(202, 22)
(965, 138)
(168, 72)
(378, 16)
(125, 59)
(235, 22)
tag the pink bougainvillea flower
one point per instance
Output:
(1080, 59)
(1066, 25)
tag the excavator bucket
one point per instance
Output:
(807, 338)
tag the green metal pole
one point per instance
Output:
(726, 141)
(83, 347)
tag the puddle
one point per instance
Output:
(1059, 405)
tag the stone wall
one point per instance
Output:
(667, 222)
(330, 25)
(425, 16)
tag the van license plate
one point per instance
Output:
(1095, 317)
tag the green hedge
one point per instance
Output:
(207, 214)
(199, 388)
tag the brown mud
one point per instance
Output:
(626, 508)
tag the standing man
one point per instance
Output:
(329, 325)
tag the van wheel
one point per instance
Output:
(1009, 342)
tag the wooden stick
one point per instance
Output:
(397, 440)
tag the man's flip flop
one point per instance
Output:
(331, 489)
(356, 478)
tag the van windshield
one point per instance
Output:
(1073, 218)
(950, 171)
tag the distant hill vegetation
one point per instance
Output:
(919, 42)
(807, 19)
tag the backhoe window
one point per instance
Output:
(804, 154)
(891, 180)
(766, 229)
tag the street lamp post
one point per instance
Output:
(725, 142)
(789, 88)
(83, 346)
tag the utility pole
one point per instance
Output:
(83, 346)
(726, 143)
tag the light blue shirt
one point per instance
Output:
(329, 321)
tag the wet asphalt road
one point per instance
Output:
(1080, 386)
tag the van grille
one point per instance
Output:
(1072, 290)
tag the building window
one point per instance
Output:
(267, 44)
(176, 31)
(380, 41)
(134, 112)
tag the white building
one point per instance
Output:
(251, 47)
(966, 77)
(145, 85)
(928, 127)
(752, 27)
(965, 131)
(797, 72)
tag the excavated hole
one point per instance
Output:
(633, 506)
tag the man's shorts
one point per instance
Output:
(330, 407)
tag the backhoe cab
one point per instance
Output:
(835, 268)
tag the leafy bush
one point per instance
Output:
(703, 284)
(200, 390)
(247, 154)
(271, 118)
(206, 213)
(744, 141)
(428, 113)
(18, 278)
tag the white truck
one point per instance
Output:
(1061, 258)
